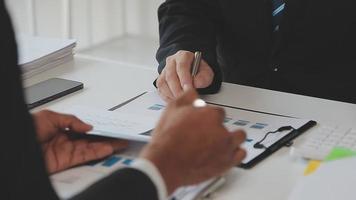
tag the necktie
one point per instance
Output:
(277, 13)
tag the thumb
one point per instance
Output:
(205, 76)
(71, 122)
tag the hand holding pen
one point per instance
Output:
(183, 70)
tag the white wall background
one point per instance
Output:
(91, 22)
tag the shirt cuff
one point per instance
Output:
(152, 172)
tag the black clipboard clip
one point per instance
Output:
(259, 144)
(276, 146)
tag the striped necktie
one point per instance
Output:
(277, 13)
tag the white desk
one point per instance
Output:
(128, 50)
(324, 111)
(107, 84)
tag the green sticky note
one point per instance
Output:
(340, 153)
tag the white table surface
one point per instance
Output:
(105, 84)
(128, 50)
(108, 84)
(322, 110)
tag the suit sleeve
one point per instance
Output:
(22, 168)
(126, 183)
(190, 25)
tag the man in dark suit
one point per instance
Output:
(298, 46)
(34, 146)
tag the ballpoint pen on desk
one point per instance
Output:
(196, 63)
(205, 194)
(201, 191)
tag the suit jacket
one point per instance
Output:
(22, 169)
(313, 54)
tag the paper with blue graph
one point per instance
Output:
(256, 124)
(135, 121)
(73, 181)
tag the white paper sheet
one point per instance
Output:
(73, 181)
(115, 124)
(333, 180)
(33, 49)
(255, 124)
(141, 115)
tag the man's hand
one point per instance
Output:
(176, 76)
(191, 145)
(61, 151)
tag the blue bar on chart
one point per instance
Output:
(127, 161)
(241, 123)
(156, 107)
(259, 126)
(111, 161)
(249, 140)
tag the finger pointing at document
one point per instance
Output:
(177, 75)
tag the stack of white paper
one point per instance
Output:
(37, 54)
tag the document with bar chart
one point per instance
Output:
(260, 127)
(263, 129)
(136, 119)
(71, 182)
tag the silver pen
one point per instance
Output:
(196, 63)
(205, 194)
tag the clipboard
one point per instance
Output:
(300, 126)
(278, 144)
(255, 123)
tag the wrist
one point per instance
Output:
(169, 174)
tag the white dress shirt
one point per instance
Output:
(148, 168)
